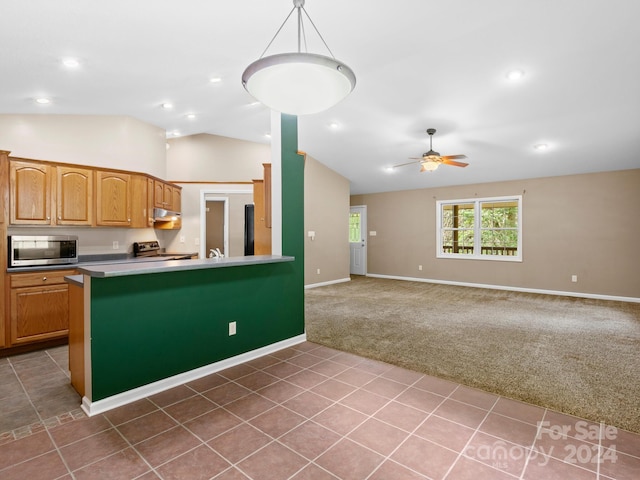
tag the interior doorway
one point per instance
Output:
(358, 240)
(231, 201)
(216, 225)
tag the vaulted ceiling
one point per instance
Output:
(419, 64)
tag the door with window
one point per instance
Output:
(358, 240)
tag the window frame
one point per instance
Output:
(477, 229)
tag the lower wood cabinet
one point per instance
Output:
(39, 306)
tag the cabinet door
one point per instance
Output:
(261, 234)
(150, 202)
(167, 196)
(113, 206)
(74, 196)
(39, 313)
(30, 193)
(158, 194)
(139, 202)
(176, 202)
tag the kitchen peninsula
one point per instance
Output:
(137, 329)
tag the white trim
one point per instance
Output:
(276, 183)
(206, 195)
(124, 398)
(596, 296)
(324, 284)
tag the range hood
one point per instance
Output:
(162, 215)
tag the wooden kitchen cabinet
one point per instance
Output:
(74, 196)
(141, 202)
(176, 198)
(113, 202)
(163, 196)
(30, 193)
(261, 233)
(39, 306)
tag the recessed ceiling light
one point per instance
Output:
(191, 116)
(515, 74)
(215, 79)
(253, 104)
(541, 147)
(333, 125)
(71, 62)
(167, 106)
(42, 100)
(267, 135)
(389, 169)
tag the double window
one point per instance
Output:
(480, 228)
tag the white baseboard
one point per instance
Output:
(513, 289)
(324, 284)
(100, 406)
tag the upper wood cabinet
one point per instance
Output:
(163, 195)
(113, 202)
(261, 233)
(141, 202)
(49, 194)
(176, 199)
(30, 193)
(74, 196)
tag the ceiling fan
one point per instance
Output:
(431, 160)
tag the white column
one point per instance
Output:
(276, 184)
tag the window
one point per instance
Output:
(355, 234)
(480, 228)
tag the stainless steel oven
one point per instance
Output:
(32, 250)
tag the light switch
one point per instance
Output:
(373, 233)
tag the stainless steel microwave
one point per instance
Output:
(32, 250)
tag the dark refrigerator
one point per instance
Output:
(248, 229)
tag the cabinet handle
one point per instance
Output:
(128, 219)
(48, 218)
(59, 217)
(44, 279)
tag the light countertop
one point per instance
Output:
(142, 268)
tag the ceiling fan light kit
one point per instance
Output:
(431, 160)
(298, 83)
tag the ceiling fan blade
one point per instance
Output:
(408, 163)
(454, 163)
(453, 157)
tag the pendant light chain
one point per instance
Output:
(274, 37)
(302, 37)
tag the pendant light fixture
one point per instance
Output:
(298, 83)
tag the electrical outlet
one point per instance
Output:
(232, 328)
(373, 233)
(318, 271)
(196, 241)
(574, 278)
(115, 245)
(181, 238)
(420, 267)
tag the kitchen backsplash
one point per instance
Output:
(98, 240)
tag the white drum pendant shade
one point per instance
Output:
(298, 83)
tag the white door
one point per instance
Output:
(358, 240)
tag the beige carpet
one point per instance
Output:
(574, 355)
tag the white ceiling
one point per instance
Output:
(419, 64)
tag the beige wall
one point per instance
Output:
(101, 141)
(326, 211)
(207, 157)
(584, 225)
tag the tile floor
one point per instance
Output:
(310, 412)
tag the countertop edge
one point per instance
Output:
(126, 269)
